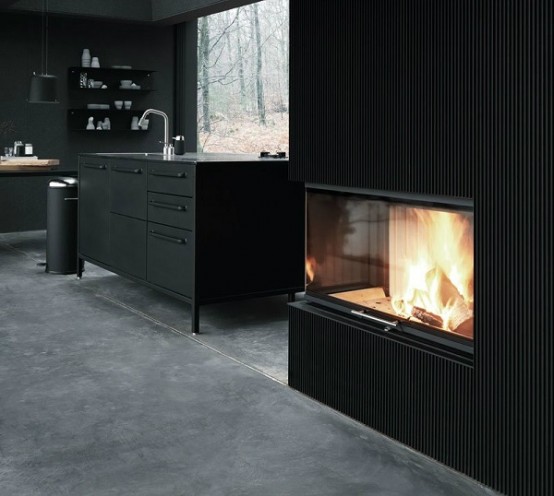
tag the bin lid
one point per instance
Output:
(63, 182)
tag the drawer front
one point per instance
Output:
(94, 217)
(176, 211)
(128, 245)
(128, 188)
(170, 258)
(171, 179)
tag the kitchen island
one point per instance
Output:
(201, 227)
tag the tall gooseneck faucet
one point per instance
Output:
(168, 147)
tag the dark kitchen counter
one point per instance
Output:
(194, 158)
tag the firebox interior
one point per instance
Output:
(405, 263)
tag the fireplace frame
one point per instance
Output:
(446, 344)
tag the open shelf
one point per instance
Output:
(120, 120)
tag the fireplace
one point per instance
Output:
(402, 264)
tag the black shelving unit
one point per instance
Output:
(120, 120)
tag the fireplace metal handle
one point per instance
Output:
(388, 323)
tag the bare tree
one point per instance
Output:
(259, 81)
(204, 60)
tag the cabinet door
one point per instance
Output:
(128, 188)
(128, 245)
(174, 179)
(170, 258)
(94, 210)
(175, 211)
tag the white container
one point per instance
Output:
(95, 62)
(134, 123)
(28, 148)
(90, 125)
(118, 104)
(128, 104)
(85, 58)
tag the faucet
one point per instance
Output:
(168, 147)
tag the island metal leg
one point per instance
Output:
(195, 318)
(80, 267)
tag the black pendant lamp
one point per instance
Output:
(44, 86)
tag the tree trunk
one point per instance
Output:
(259, 81)
(240, 64)
(204, 58)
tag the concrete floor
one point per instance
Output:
(103, 391)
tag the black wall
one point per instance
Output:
(452, 98)
(142, 47)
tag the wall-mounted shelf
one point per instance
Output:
(111, 78)
(120, 120)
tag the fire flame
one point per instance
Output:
(310, 269)
(436, 258)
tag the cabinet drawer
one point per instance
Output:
(128, 188)
(171, 179)
(93, 209)
(170, 258)
(176, 211)
(128, 245)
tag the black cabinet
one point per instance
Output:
(128, 188)
(128, 244)
(94, 209)
(170, 258)
(202, 231)
(170, 210)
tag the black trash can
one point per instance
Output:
(61, 226)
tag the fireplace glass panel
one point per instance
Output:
(405, 261)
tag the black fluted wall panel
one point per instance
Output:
(384, 94)
(513, 242)
(452, 98)
(418, 398)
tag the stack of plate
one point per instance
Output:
(98, 106)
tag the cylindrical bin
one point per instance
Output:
(61, 226)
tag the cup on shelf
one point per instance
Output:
(127, 104)
(95, 62)
(126, 83)
(97, 84)
(134, 123)
(118, 104)
(144, 125)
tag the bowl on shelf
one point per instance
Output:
(126, 83)
(97, 84)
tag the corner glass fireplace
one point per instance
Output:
(402, 263)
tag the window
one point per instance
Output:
(243, 79)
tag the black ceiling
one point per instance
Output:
(147, 11)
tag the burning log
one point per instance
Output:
(427, 317)
(459, 312)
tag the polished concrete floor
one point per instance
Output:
(103, 391)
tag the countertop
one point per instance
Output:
(189, 157)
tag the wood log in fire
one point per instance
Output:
(450, 297)
(427, 317)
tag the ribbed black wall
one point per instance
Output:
(455, 98)
(416, 397)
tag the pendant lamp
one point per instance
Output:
(43, 88)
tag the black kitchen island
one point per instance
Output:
(201, 227)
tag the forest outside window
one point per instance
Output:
(243, 79)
